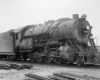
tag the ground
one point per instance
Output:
(44, 70)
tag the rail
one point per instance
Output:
(62, 76)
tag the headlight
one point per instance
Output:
(87, 27)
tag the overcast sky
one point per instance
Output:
(18, 13)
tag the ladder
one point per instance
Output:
(93, 44)
(75, 45)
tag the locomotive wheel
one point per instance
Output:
(57, 60)
(31, 58)
(10, 57)
(98, 60)
(48, 59)
(38, 57)
(79, 61)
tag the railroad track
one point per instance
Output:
(62, 76)
(60, 65)
(56, 76)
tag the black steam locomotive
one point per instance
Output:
(63, 40)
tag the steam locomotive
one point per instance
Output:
(63, 40)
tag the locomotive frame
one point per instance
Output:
(43, 47)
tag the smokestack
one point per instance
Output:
(75, 16)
